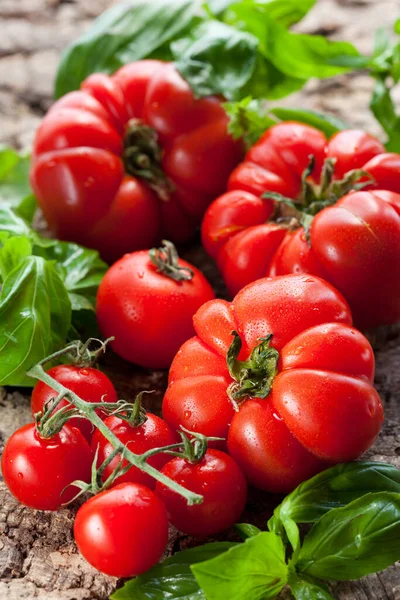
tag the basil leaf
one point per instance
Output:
(172, 579)
(253, 570)
(216, 59)
(297, 55)
(81, 270)
(285, 12)
(13, 252)
(328, 124)
(13, 224)
(15, 190)
(35, 316)
(333, 488)
(126, 32)
(305, 588)
(350, 542)
(246, 530)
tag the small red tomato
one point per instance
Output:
(153, 433)
(37, 471)
(148, 308)
(122, 531)
(88, 383)
(221, 483)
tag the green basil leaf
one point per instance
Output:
(333, 488)
(35, 316)
(15, 190)
(216, 59)
(355, 540)
(13, 252)
(383, 107)
(285, 12)
(126, 32)
(296, 55)
(328, 124)
(246, 530)
(81, 270)
(172, 579)
(397, 26)
(305, 588)
(13, 224)
(270, 83)
(253, 570)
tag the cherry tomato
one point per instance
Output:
(148, 313)
(221, 483)
(37, 471)
(153, 433)
(88, 383)
(306, 397)
(354, 243)
(123, 531)
(88, 156)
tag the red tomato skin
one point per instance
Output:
(153, 433)
(270, 456)
(78, 173)
(280, 441)
(221, 483)
(88, 383)
(348, 241)
(37, 471)
(123, 531)
(149, 314)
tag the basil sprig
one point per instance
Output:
(355, 509)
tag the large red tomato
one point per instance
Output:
(300, 373)
(131, 158)
(353, 241)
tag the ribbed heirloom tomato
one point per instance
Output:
(353, 239)
(300, 373)
(131, 158)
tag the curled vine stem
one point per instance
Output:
(88, 410)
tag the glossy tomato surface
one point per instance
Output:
(88, 383)
(321, 407)
(153, 433)
(123, 531)
(38, 471)
(82, 159)
(354, 244)
(149, 314)
(221, 483)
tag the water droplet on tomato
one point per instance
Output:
(187, 414)
(140, 274)
(84, 372)
(89, 182)
(20, 475)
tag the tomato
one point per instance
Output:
(37, 471)
(88, 383)
(221, 483)
(305, 395)
(153, 433)
(353, 243)
(131, 158)
(149, 313)
(122, 531)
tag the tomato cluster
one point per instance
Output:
(353, 241)
(122, 530)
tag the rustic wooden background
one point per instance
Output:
(38, 558)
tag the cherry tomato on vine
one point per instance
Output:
(146, 301)
(90, 384)
(131, 158)
(152, 433)
(300, 374)
(37, 471)
(122, 531)
(350, 239)
(221, 483)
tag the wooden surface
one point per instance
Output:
(38, 558)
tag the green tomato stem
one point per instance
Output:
(89, 411)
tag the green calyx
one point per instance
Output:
(315, 197)
(142, 158)
(166, 259)
(254, 376)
